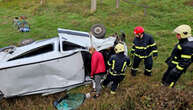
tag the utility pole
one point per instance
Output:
(117, 3)
(43, 2)
(93, 5)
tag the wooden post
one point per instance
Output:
(101, 1)
(117, 3)
(43, 2)
(93, 5)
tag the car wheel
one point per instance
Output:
(98, 30)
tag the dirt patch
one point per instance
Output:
(189, 3)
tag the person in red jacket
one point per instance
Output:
(98, 69)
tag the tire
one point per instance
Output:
(98, 30)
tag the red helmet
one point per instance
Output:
(138, 30)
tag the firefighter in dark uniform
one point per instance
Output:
(181, 56)
(143, 49)
(118, 63)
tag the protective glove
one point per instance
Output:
(168, 60)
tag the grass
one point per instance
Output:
(159, 20)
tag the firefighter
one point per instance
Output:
(181, 56)
(143, 48)
(118, 63)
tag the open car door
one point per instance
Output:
(85, 40)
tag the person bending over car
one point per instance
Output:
(118, 64)
(98, 69)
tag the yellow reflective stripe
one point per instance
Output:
(112, 73)
(171, 85)
(132, 49)
(154, 44)
(175, 57)
(148, 70)
(179, 67)
(144, 56)
(151, 45)
(155, 51)
(116, 74)
(123, 66)
(186, 56)
(140, 56)
(113, 66)
(134, 68)
(137, 47)
(179, 47)
(174, 62)
(108, 63)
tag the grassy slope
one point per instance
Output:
(160, 19)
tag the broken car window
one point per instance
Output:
(34, 52)
(70, 46)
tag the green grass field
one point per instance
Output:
(159, 19)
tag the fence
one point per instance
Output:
(94, 5)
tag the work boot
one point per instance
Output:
(147, 73)
(133, 72)
(113, 92)
(172, 84)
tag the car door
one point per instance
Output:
(27, 76)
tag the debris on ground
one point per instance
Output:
(21, 24)
(70, 101)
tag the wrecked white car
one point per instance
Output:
(48, 66)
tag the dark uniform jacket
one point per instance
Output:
(182, 54)
(118, 64)
(144, 47)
